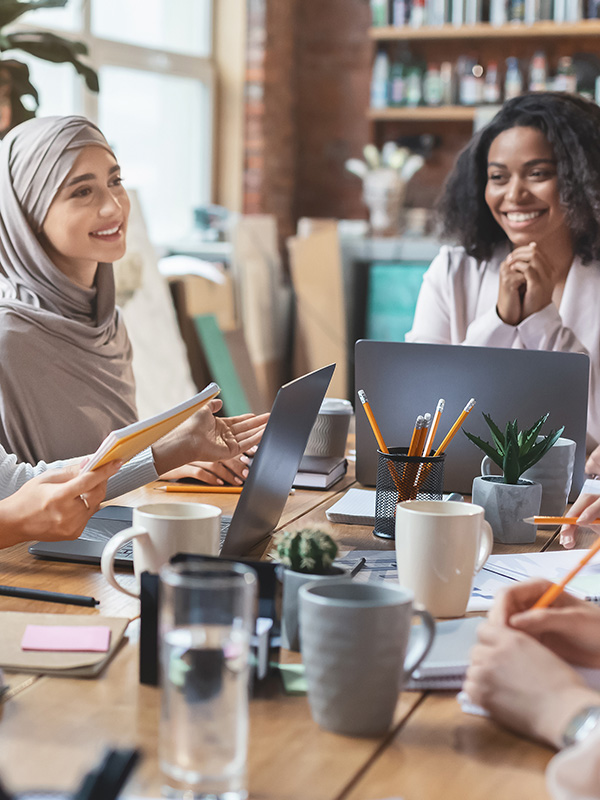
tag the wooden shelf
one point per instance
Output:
(423, 114)
(483, 30)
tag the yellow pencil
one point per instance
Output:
(416, 436)
(380, 441)
(189, 488)
(553, 591)
(372, 421)
(434, 426)
(451, 433)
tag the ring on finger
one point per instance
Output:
(85, 502)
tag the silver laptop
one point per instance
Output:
(265, 491)
(402, 380)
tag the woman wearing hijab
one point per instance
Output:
(65, 359)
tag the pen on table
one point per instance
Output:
(357, 567)
(49, 597)
(559, 521)
(451, 433)
(191, 488)
(434, 426)
(553, 591)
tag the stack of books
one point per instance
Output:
(318, 472)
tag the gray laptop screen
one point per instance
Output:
(402, 380)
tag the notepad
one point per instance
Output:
(125, 443)
(356, 507)
(68, 663)
(67, 638)
(445, 666)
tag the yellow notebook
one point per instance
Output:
(127, 442)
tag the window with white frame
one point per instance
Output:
(155, 106)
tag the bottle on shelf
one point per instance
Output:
(400, 13)
(397, 84)
(492, 92)
(470, 81)
(379, 80)
(418, 17)
(516, 11)
(513, 80)
(413, 86)
(379, 13)
(531, 11)
(447, 83)
(498, 12)
(574, 10)
(538, 72)
(566, 78)
(432, 86)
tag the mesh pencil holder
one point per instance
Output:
(401, 477)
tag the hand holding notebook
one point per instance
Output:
(125, 443)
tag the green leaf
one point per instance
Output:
(10, 10)
(56, 49)
(486, 447)
(531, 435)
(497, 436)
(510, 466)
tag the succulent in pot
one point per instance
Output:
(508, 499)
(306, 554)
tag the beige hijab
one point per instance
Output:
(65, 357)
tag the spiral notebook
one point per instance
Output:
(445, 666)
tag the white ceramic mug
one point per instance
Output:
(440, 546)
(160, 531)
(554, 471)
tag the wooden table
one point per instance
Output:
(52, 730)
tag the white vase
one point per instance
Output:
(505, 506)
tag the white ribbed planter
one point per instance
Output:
(506, 505)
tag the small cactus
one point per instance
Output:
(306, 550)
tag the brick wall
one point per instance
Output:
(308, 78)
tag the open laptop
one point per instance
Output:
(402, 380)
(265, 491)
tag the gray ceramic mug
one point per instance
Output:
(354, 638)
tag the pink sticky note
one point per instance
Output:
(67, 638)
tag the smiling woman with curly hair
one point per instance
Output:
(523, 206)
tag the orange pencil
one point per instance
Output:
(558, 521)
(451, 433)
(553, 591)
(190, 488)
(434, 426)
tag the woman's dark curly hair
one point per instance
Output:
(572, 127)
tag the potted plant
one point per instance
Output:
(507, 499)
(15, 86)
(306, 554)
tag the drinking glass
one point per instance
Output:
(206, 620)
